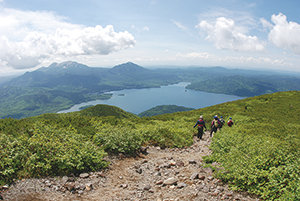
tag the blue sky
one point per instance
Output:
(262, 34)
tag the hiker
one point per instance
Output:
(201, 124)
(222, 122)
(230, 122)
(215, 125)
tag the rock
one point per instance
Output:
(194, 176)
(219, 188)
(172, 163)
(181, 185)
(229, 193)
(210, 178)
(201, 177)
(200, 187)
(80, 192)
(69, 186)
(84, 175)
(65, 179)
(5, 187)
(139, 170)
(88, 186)
(179, 163)
(143, 150)
(205, 189)
(208, 170)
(159, 182)
(147, 187)
(192, 162)
(101, 174)
(79, 186)
(170, 181)
(216, 193)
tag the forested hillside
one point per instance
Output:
(163, 109)
(260, 153)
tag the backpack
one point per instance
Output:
(201, 122)
(230, 123)
(216, 123)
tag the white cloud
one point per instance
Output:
(226, 35)
(146, 29)
(203, 55)
(266, 24)
(285, 34)
(179, 25)
(27, 38)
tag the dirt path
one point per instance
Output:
(160, 175)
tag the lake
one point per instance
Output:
(140, 100)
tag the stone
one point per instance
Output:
(65, 179)
(172, 163)
(147, 187)
(84, 175)
(101, 174)
(88, 186)
(210, 178)
(139, 170)
(216, 193)
(194, 176)
(181, 185)
(143, 150)
(159, 182)
(201, 177)
(69, 186)
(170, 181)
(179, 163)
(192, 162)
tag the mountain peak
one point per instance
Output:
(66, 64)
(128, 67)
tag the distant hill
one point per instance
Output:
(247, 86)
(99, 110)
(61, 85)
(163, 109)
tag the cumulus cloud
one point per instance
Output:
(26, 38)
(226, 35)
(285, 34)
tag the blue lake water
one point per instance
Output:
(139, 100)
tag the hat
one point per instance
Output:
(230, 118)
(201, 117)
(215, 117)
(221, 116)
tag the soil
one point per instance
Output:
(159, 175)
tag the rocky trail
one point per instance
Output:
(159, 175)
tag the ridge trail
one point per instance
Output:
(160, 175)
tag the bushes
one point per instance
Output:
(49, 151)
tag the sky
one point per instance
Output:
(245, 34)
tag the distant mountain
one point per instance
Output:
(163, 109)
(61, 85)
(70, 67)
(247, 86)
(129, 68)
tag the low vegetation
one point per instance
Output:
(260, 153)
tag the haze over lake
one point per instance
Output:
(140, 100)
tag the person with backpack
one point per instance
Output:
(215, 124)
(222, 122)
(200, 123)
(230, 122)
